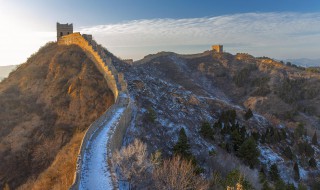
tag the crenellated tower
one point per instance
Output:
(64, 29)
(217, 48)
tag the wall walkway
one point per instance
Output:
(118, 85)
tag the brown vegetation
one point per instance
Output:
(135, 167)
(178, 174)
(46, 102)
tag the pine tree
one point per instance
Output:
(302, 186)
(235, 178)
(151, 115)
(249, 152)
(312, 163)
(279, 185)
(237, 139)
(314, 138)
(207, 131)
(274, 173)
(288, 153)
(290, 186)
(299, 131)
(248, 114)
(296, 171)
(309, 150)
(182, 147)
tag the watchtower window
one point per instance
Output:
(61, 34)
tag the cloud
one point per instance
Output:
(279, 35)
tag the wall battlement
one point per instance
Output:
(96, 54)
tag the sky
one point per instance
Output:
(285, 29)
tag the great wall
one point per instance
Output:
(117, 129)
(110, 127)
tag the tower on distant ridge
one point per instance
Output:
(217, 48)
(64, 29)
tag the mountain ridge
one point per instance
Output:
(173, 91)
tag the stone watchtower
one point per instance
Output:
(217, 48)
(64, 29)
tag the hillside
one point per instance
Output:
(46, 105)
(49, 102)
(175, 91)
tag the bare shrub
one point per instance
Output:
(225, 163)
(177, 174)
(133, 163)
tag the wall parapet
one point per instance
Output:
(91, 48)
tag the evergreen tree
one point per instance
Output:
(263, 180)
(274, 173)
(288, 153)
(243, 132)
(249, 152)
(237, 139)
(151, 115)
(266, 186)
(299, 131)
(305, 148)
(290, 186)
(296, 171)
(309, 150)
(302, 186)
(279, 185)
(314, 138)
(248, 114)
(207, 131)
(312, 163)
(256, 136)
(283, 134)
(217, 125)
(235, 177)
(182, 147)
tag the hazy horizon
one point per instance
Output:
(280, 30)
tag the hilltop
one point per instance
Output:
(46, 105)
(174, 91)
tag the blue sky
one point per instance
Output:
(134, 28)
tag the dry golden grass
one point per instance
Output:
(61, 172)
(39, 116)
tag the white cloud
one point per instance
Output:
(279, 35)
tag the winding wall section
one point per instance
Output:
(118, 85)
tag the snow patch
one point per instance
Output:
(94, 172)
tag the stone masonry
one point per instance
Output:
(64, 29)
(118, 85)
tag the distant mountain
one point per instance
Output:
(173, 91)
(305, 62)
(5, 70)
